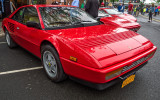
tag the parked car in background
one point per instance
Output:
(118, 21)
(115, 13)
(71, 43)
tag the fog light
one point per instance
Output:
(113, 73)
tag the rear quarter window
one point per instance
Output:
(18, 16)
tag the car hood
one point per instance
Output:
(119, 22)
(102, 41)
(126, 16)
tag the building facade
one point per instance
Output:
(19, 3)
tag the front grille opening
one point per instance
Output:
(137, 62)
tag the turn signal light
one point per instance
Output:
(73, 59)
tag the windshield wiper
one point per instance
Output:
(81, 22)
(60, 22)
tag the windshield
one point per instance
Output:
(102, 13)
(64, 16)
(112, 11)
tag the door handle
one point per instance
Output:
(17, 28)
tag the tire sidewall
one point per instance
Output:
(60, 71)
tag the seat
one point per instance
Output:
(36, 19)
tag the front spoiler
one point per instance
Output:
(103, 86)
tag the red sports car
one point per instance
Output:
(115, 13)
(71, 43)
(118, 21)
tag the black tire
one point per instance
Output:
(11, 44)
(60, 76)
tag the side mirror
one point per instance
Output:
(33, 24)
(98, 18)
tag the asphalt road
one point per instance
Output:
(34, 85)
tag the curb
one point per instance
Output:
(152, 18)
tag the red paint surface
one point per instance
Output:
(124, 16)
(99, 49)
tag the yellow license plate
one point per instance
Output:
(128, 80)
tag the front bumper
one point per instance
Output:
(103, 86)
(99, 75)
(135, 29)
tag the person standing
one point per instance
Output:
(110, 5)
(75, 3)
(69, 3)
(122, 9)
(12, 7)
(59, 3)
(156, 11)
(130, 8)
(134, 10)
(82, 5)
(119, 7)
(137, 11)
(54, 3)
(144, 10)
(151, 12)
(92, 7)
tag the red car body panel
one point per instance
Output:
(118, 21)
(99, 49)
(98, 75)
(124, 16)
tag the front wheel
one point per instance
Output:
(52, 64)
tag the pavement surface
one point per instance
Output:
(18, 84)
(1, 33)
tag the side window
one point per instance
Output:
(30, 14)
(18, 16)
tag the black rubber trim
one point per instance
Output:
(74, 26)
(103, 86)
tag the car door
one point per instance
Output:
(29, 36)
(14, 23)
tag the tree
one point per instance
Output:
(158, 1)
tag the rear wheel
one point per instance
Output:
(52, 64)
(9, 40)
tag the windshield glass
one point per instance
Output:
(64, 16)
(102, 13)
(112, 11)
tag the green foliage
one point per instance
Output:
(158, 1)
(114, 0)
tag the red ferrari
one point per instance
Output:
(115, 13)
(71, 43)
(118, 21)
